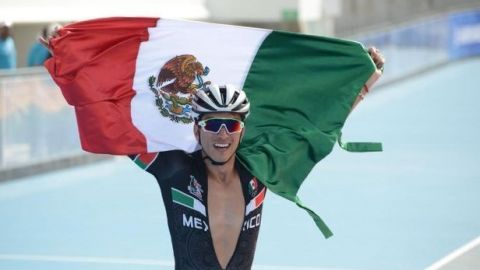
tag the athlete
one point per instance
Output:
(213, 204)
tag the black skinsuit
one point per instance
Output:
(183, 182)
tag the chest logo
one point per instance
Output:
(252, 187)
(195, 188)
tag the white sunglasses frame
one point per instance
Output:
(202, 124)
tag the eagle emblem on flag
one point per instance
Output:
(179, 78)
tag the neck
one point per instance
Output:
(221, 173)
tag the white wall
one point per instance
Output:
(31, 11)
(25, 35)
(249, 10)
(29, 16)
(311, 16)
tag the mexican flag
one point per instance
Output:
(131, 82)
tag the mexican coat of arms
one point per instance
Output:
(178, 79)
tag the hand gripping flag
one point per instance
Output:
(131, 82)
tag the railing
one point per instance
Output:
(36, 124)
(425, 44)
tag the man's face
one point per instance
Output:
(222, 145)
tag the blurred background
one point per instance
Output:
(424, 109)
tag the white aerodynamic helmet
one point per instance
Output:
(220, 98)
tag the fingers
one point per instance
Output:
(55, 31)
(43, 41)
(46, 41)
(377, 57)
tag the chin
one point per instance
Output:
(222, 157)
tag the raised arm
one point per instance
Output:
(379, 61)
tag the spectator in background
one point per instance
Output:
(8, 53)
(38, 53)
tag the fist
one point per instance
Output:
(46, 41)
(377, 57)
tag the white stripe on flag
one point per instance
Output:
(226, 50)
(198, 206)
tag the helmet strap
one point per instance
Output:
(216, 163)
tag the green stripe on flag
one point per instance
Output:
(188, 201)
(182, 198)
(360, 146)
(139, 162)
(301, 90)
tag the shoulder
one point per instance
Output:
(145, 160)
(164, 163)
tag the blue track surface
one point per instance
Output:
(404, 208)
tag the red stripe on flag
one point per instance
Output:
(147, 158)
(94, 64)
(260, 197)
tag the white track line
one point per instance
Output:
(108, 260)
(454, 255)
(112, 260)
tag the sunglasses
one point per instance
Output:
(213, 125)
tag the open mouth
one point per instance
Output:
(221, 145)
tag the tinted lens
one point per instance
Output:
(214, 125)
(233, 125)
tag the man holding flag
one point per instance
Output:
(212, 186)
(212, 202)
